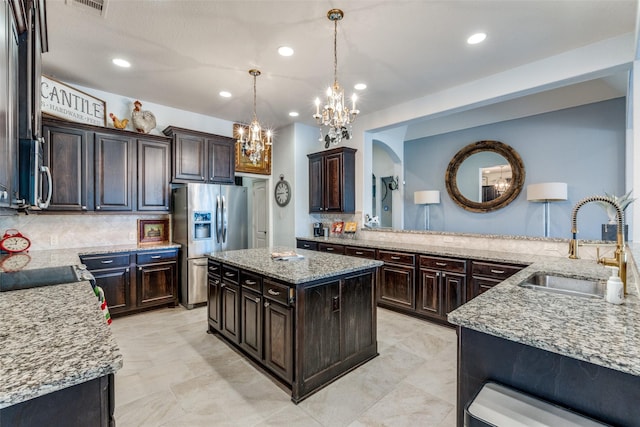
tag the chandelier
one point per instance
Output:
(501, 184)
(335, 114)
(251, 138)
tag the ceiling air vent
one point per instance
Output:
(98, 7)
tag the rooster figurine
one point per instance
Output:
(117, 123)
(143, 121)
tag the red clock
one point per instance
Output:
(13, 241)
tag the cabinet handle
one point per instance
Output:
(229, 274)
(359, 253)
(272, 292)
(108, 261)
(257, 299)
(98, 207)
(84, 208)
(222, 286)
(395, 258)
(139, 268)
(329, 249)
(441, 264)
(497, 271)
(306, 246)
(266, 304)
(127, 270)
(250, 282)
(202, 177)
(443, 275)
(213, 268)
(156, 256)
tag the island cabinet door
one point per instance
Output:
(251, 323)
(278, 330)
(230, 311)
(358, 307)
(214, 302)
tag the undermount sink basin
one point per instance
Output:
(565, 285)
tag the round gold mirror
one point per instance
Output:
(485, 176)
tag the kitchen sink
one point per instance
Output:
(565, 285)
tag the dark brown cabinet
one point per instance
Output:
(157, 279)
(278, 330)
(154, 163)
(96, 169)
(230, 304)
(214, 284)
(307, 244)
(201, 157)
(360, 252)
(69, 156)
(331, 248)
(113, 274)
(485, 275)
(396, 287)
(332, 181)
(113, 154)
(154, 283)
(442, 286)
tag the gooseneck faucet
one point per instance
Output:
(620, 257)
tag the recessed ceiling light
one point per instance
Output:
(294, 114)
(477, 38)
(360, 86)
(285, 51)
(225, 94)
(121, 62)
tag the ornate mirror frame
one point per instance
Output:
(517, 173)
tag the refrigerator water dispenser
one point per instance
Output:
(202, 225)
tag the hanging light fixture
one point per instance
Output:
(251, 138)
(335, 114)
(501, 184)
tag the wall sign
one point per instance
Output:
(60, 100)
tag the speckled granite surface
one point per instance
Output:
(586, 329)
(314, 265)
(52, 337)
(60, 257)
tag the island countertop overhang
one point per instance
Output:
(312, 267)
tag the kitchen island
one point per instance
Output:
(306, 321)
(579, 353)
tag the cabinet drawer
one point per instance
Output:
(98, 262)
(360, 252)
(331, 248)
(397, 257)
(495, 271)
(276, 291)
(306, 244)
(230, 274)
(251, 281)
(151, 257)
(214, 268)
(448, 264)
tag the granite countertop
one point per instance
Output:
(314, 266)
(69, 256)
(582, 328)
(52, 337)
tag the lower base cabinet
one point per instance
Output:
(136, 281)
(305, 335)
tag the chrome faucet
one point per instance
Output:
(620, 257)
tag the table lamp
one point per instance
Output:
(547, 192)
(426, 197)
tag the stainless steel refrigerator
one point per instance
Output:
(206, 218)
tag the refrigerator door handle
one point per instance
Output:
(224, 220)
(218, 219)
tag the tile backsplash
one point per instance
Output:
(48, 231)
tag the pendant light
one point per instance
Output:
(251, 139)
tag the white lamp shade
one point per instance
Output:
(426, 197)
(547, 192)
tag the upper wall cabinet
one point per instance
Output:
(332, 183)
(201, 157)
(101, 169)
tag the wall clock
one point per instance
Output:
(282, 192)
(13, 241)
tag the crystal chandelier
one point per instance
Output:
(501, 184)
(335, 114)
(251, 138)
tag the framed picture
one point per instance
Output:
(243, 164)
(337, 227)
(153, 231)
(350, 227)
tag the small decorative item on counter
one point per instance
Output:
(143, 121)
(350, 227)
(286, 256)
(102, 302)
(610, 229)
(13, 241)
(117, 123)
(372, 221)
(614, 293)
(337, 227)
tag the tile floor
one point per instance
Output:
(175, 374)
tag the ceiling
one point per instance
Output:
(184, 52)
